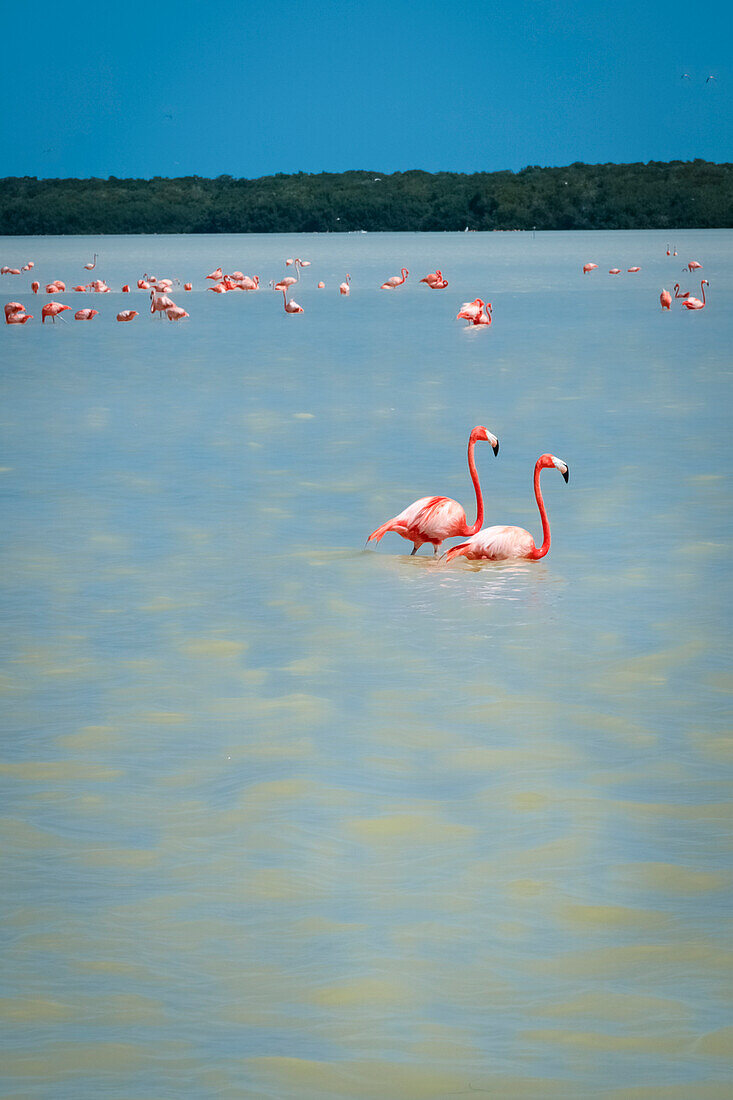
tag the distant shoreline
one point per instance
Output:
(670, 196)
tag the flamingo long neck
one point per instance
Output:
(539, 552)
(702, 288)
(477, 486)
(285, 298)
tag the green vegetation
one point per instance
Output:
(679, 194)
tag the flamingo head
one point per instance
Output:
(547, 461)
(481, 433)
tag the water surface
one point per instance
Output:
(285, 818)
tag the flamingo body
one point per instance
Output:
(18, 317)
(345, 287)
(695, 303)
(666, 299)
(434, 519)
(589, 267)
(85, 314)
(52, 310)
(395, 280)
(127, 315)
(507, 543)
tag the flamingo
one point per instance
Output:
(433, 277)
(693, 265)
(52, 310)
(345, 287)
(13, 307)
(85, 314)
(439, 286)
(589, 267)
(143, 284)
(290, 306)
(666, 299)
(395, 280)
(615, 271)
(684, 294)
(298, 265)
(18, 317)
(250, 282)
(80, 287)
(159, 303)
(630, 269)
(127, 315)
(35, 287)
(502, 543)
(91, 266)
(484, 318)
(434, 519)
(470, 311)
(188, 286)
(220, 288)
(695, 303)
(216, 275)
(126, 288)
(321, 286)
(176, 313)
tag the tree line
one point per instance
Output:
(671, 195)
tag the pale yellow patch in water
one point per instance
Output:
(612, 916)
(596, 1040)
(412, 828)
(58, 771)
(620, 1008)
(718, 1043)
(213, 647)
(671, 878)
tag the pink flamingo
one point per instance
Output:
(321, 286)
(250, 282)
(434, 519)
(683, 294)
(13, 307)
(126, 288)
(615, 271)
(693, 265)
(188, 286)
(502, 543)
(395, 280)
(216, 275)
(439, 286)
(28, 266)
(18, 318)
(85, 314)
(298, 265)
(176, 313)
(345, 287)
(127, 315)
(695, 303)
(470, 311)
(484, 318)
(35, 287)
(666, 299)
(143, 284)
(433, 277)
(159, 303)
(220, 288)
(81, 288)
(291, 306)
(91, 266)
(52, 310)
(630, 269)
(589, 267)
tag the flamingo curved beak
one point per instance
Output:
(495, 446)
(566, 474)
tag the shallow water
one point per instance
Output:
(282, 817)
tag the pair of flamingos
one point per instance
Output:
(689, 303)
(434, 519)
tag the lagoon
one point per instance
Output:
(283, 817)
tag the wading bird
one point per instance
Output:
(127, 315)
(85, 314)
(666, 299)
(502, 543)
(345, 287)
(290, 306)
(52, 310)
(470, 311)
(395, 280)
(434, 519)
(695, 303)
(92, 265)
(589, 267)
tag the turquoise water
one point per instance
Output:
(285, 818)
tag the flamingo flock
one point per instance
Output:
(428, 520)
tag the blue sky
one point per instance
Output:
(250, 89)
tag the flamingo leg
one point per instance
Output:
(414, 549)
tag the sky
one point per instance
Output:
(250, 89)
